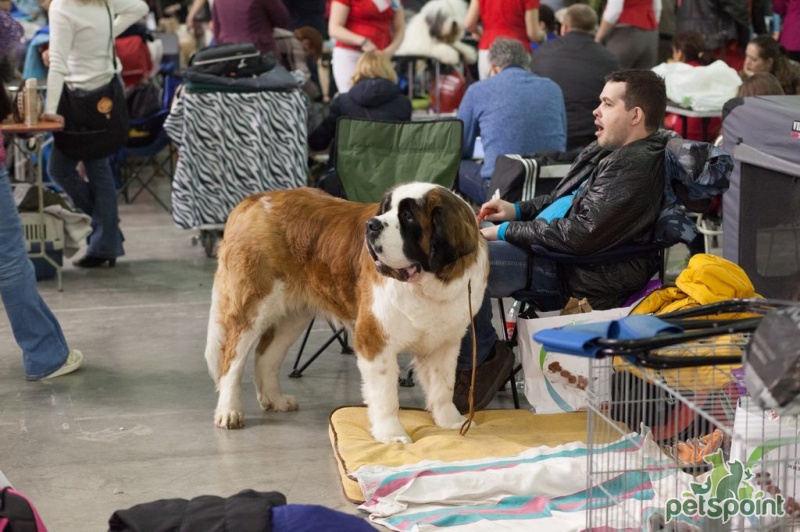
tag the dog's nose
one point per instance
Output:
(374, 225)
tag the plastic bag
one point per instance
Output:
(701, 88)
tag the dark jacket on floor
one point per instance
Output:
(246, 511)
(619, 204)
(370, 98)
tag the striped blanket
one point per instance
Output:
(542, 489)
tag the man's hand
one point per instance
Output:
(490, 233)
(497, 210)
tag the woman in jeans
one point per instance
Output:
(81, 55)
(45, 353)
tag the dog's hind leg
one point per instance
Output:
(270, 352)
(437, 374)
(229, 413)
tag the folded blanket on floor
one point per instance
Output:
(542, 489)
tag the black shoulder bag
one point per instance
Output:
(95, 121)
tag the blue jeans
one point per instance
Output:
(36, 330)
(470, 182)
(508, 277)
(97, 197)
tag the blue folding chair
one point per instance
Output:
(147, 139)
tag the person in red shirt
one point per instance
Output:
(629, 28)
(359, 26)
(512, 19)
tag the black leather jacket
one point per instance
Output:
(618, 204)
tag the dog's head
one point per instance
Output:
(444, 20)
(422, 228)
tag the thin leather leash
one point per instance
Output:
(468, 423)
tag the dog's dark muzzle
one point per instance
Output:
(374, 229)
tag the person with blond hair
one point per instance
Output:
(82, 57)
(374, 95)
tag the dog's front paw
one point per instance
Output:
(459, 424)
(390, 433)
(229, 420)
(281, 403)
(448, 417)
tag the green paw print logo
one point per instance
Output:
(726, 492)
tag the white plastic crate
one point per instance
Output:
(47, 229)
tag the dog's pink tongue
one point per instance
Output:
(413, 273)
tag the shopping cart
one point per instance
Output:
(690, 450)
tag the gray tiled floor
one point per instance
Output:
(135, 423)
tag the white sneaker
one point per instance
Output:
(73, 362)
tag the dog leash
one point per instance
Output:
(468, 423)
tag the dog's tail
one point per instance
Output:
(214, 342)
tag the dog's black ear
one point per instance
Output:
(385, 204)
(435, 22)
(454, 234)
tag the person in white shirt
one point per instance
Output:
(81, 55)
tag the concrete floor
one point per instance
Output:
(134, 424)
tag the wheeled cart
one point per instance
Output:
(690, 450)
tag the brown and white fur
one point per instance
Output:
(396, 274)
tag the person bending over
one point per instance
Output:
(610, 197)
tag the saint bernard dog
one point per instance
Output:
(397, 274)
(436, 31)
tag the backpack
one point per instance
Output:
(144, 100)
(17, 513)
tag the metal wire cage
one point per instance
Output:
(691, 451)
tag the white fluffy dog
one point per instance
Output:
(436, 31)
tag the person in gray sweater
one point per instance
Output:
(512, 111)
(579, 66)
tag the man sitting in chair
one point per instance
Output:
(512, 111)
(611, 197)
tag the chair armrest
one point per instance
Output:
(612, 255)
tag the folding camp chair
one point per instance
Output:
(372, 157)
(142, 152)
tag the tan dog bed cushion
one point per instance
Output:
(499, 433)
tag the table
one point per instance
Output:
(411, 61)
(19, 134)
(685, 113)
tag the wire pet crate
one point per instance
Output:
(692, 451)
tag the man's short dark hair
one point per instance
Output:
(547, 17)
(581, 17)
(508, 52)
(644, 89)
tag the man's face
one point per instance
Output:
(613, 121)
